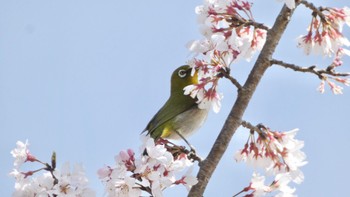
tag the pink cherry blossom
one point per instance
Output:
(336, 89)
(278, 154)
(224, 42)
(21, 154)
(325, 36)
(154, 170)
(34, 183)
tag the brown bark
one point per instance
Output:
(234, 118)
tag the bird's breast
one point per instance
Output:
(188, 122)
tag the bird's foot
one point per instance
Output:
(192, 154)
(194, 157)
(179, 151)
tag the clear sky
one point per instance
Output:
(84, 77)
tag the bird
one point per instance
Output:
(180, 116)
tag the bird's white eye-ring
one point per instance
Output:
(182, 73)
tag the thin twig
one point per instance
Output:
(311, 69)
(315, 10)
(238, 193)
(257, 25)
(236, 22)
(232, 79)
(258, 128)
(248, 125)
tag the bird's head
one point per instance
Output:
(181, 78)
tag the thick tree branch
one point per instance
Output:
(234, 118)
(312, 69)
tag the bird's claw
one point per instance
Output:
(193, 155)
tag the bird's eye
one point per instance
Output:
(182, 73)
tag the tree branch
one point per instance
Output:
(232, 79)
(259, 128)
(316, 11)
(237, 21)
(256, 128)
(234, 118)
(257, 25)
(241, 21)
(312, 69)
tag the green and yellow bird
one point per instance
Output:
(180, 115)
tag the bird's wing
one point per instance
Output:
(168, 111)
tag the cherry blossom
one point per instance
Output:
(123, 188)
(228, 38)
(188, 180)
(21, 154)
(325, 32)
(345, 81)
(278, 154)
(325, 37)
(71, 183)
(32, 187)
(52, 182)
(258, 185)
(321, 87)
(279, 187)
(281, 183)
(336, 89)
(153, 171)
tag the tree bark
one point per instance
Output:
(234, 118)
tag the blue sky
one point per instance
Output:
(83, 78)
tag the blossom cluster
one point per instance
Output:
(336, 89)
(228, 36)
(155, 170)
(52, 182)
(325, 37)
(324, 34)
(278, 154)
